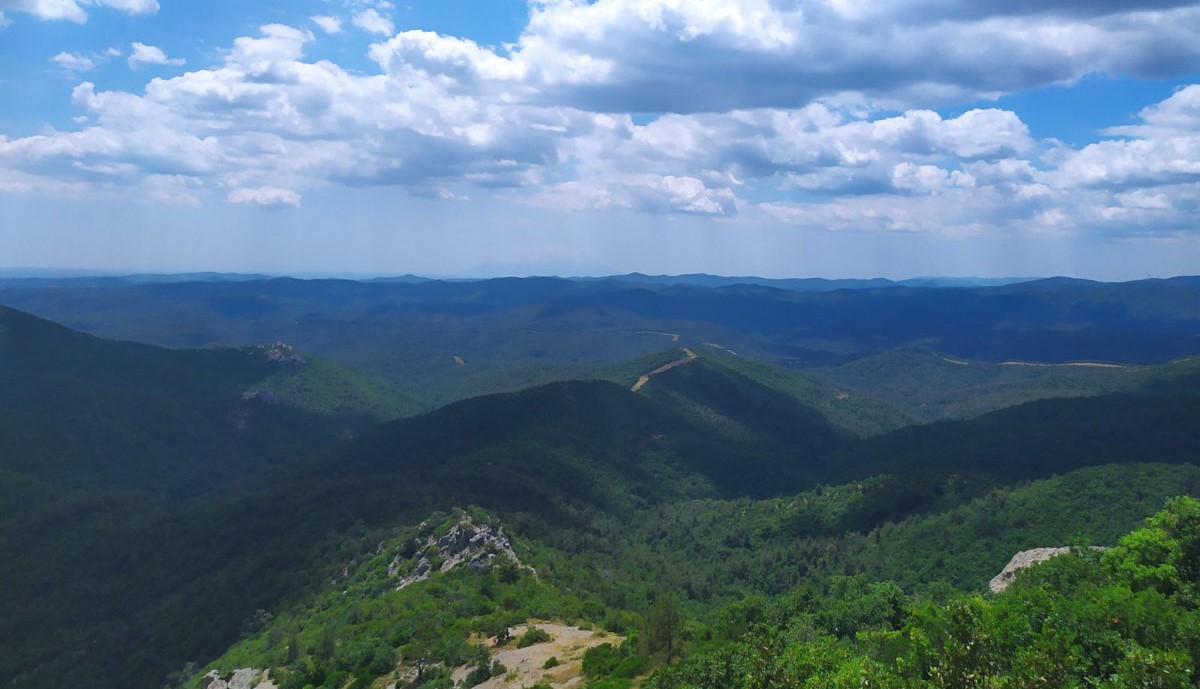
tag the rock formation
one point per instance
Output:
(476, 545)
(246, 678)
(1020, 561)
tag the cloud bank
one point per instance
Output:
(820, 114)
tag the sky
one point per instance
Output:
(781, 138)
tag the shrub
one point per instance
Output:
(533, 635)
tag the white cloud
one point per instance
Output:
(1179, 113)
(72, 63)
(815, 148)
(1163, 152)
(131, 6)
(717, 55)
(1136, 163)
(535, 122)
(432, 54)
(68, 10)
(268, 197)
(646, 193)
(371, 21)
(72, 10)
(278, 44)
(143, 54)
(330, 25)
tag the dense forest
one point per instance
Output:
(287, 500)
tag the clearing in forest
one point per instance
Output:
(527, 666)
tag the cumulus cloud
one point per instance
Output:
(646, 193)
(267, 197)
(143, 54)
(1179, 113)
(1145, 183)
(809, 113)
(687, 56)
(717, 55)
(371, 21)
(130, 6)
(428, 53)
(73, 10)
(1162, 152)
(330, 25)
(73, 63)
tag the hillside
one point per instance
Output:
(1121, 617)
(933, 386)
(854, 410)
(78, 411)
(1049, 436)
(149, 488)
(749, 548)
(149, 491)
(115, 456)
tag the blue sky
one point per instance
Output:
(833, 138)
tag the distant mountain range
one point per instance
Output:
(439, 341)
(18, 276)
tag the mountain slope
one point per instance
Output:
(932, 386)
(449, 340)
(123, 475)
(712, 552)
(81, 412)
(1041, 438)
(156, 509)
(149, 494)
(853, 411)
(587, 436)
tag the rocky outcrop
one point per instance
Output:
(283, 354)
(1023, 559)
(477, 546)
(264, 396)
(246, 678)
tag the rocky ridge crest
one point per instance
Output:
(477, 546)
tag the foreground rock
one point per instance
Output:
(1023, 559)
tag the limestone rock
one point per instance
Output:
(1020, 561)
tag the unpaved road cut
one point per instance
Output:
(645, 378)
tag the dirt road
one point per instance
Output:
(645, 378)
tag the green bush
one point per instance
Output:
(533, 635)
(600, 661)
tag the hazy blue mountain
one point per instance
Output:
(445, 340)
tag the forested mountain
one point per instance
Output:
(160, 505)
(445, 340)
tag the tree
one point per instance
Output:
(662, 631)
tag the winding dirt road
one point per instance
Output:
(645, 378)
